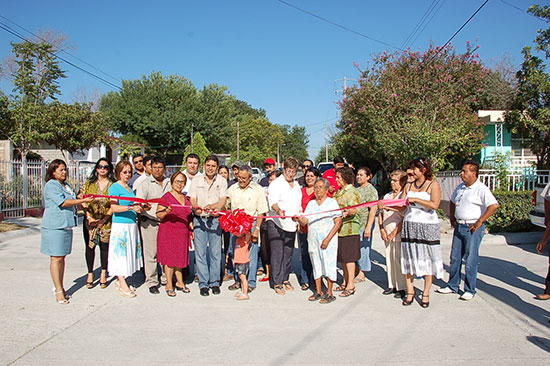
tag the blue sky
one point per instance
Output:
(267, 53)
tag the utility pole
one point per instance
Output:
(238, 139)
(326, 142)
(191, 137)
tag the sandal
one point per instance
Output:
(327, 299)
(279, 290)
(305, 287)
(358, 280)
(425, 304)
(242, 297)
(340, 288)
(103, 284)
(89, 285)
(288, 286)
(234, 286)
(171, 293)
(65, 301)
(407, 302)
(129, 294)
(316, 296)
(347, 293)
(183, 289)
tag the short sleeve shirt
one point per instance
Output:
(289, 199)
(251, 199)
(348, 196)
(472, 202)
(150, 189)
(126, 217)
(367, 194)
(207, 193)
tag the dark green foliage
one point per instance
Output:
(513, 213)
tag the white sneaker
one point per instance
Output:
(466, 296)
(445, 290)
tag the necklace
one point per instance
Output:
(417, 187)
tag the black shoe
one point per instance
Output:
(407, 302)
(389, 291)
(400, 294)
(204, 291)
(250, 289)
(154, 290)
(216, 290)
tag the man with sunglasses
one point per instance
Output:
(148, 169)
(139, 169)
(472, 203)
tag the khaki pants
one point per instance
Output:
(149, 231)
(396, 279)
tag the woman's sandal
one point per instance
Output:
(340, 288)
(305, 286)
(103, 284)
(288, 286)
(316, 296)
(408, 302)
(89, 285)
(427, 303)
(65, 301)
(183, 289)
(171, 293)
(129, 294)
(347, 293)
(279, 290)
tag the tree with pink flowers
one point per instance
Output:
(409, 104)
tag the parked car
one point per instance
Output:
(256, 175)
(324, 166)
(537, 215)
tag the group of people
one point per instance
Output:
(322, 211)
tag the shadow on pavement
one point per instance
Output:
(540, 342)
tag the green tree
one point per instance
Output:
(295, 142)
(199, 148)
(410, 104)
(259, 139)
(72, 127)
(36, 81)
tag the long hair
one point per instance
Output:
(53, 167)
(110, 174)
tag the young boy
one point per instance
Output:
(242, 263)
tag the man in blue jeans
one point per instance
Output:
(207, 195)
(250, 197)
(472, 203)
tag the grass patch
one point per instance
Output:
(9, 226)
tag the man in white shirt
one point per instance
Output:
(472, 203)
(147, 164)
(192, 163)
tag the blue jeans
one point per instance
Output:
(306, 275)
(253, 266)
(465, 247)
(366, 244)
(208, 248)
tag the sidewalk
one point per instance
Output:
(503, 324)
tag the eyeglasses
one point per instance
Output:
(306, 166)
(103, 167)
(179, 181)
(138, 161)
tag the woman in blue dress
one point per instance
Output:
(58, 220)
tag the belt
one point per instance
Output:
(149, 220)
(465, 222)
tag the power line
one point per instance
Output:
(419, 24)
(8, 29)
(521, 10)
(61, 50)
(428, 22)
(459, 29)
(339, 25)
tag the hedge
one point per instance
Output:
(513, 213)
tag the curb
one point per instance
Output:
(19, 233)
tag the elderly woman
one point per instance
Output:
(306, 276)
(175, 233)
(284, 197)
(390, 220)
(349, 242)
(322, 240)
(97, 226)
(125, 247)
(57, 223)
(420, 237)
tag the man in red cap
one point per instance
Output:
(269, 166)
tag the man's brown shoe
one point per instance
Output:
(543, 297)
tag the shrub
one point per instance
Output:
(513, 214)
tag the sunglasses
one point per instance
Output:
(306, 166)
(138, 161)
(103, 167)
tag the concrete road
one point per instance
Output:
(503, 324)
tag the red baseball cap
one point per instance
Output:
(269, 161)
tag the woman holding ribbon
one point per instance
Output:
(420, 237)
(125, 248)
(97, 225)
(58, 222)
(175, 233)
(349, 242)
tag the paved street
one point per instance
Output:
(504, 324)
